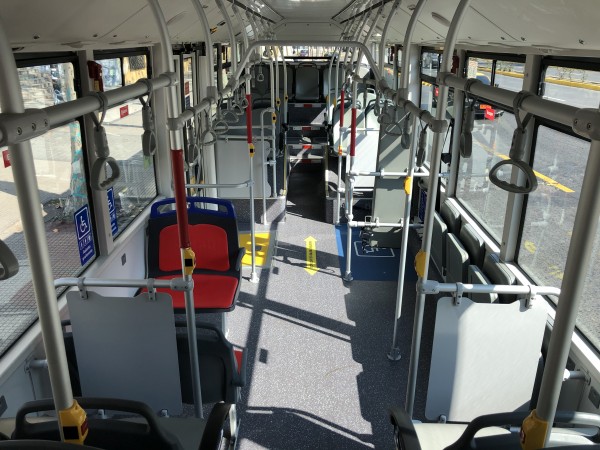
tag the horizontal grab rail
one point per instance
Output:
(176, 284)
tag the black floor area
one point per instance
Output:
(318, 372)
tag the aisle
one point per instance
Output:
(317, 367)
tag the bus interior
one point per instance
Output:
(299, 224)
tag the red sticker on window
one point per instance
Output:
(6, 158)
(490, 114)
(187, 88)
(124, 111)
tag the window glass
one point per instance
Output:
(188, 87)
(430, 63)
(58, 160)
(560, 162)
(574, 87)
(505, 74)
(491, 144)
(111, 73)
(61, 182)
(136, 187)
(509, 75)
(134, 68)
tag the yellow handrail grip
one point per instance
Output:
(533, 432)
(251, 150)
(189, 260)
(408, 185)
(73, 421)
(420, 261)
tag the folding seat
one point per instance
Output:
(214, 239)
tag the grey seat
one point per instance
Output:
(476, 276)
(457, 260)
(222, 368)
(261, 90)
(438, 243)
(473, 243)
(499, 273)
(451, 216)
(307, 84)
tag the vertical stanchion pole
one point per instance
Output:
(340, 149)
(350, 189)
(422, 258)
(394, 353)
(28, 197)
(253, 275)
(537, 427)
(188, 258)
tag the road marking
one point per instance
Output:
(530, 246)
(311, 255)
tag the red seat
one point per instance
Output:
(210, 291)
(214, 239)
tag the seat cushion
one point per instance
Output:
(209, 243)
(210, 291)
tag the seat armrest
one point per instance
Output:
(213, 431)
(405, 434)
(238, 262)
(239, 378)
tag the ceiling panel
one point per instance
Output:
(544, 26)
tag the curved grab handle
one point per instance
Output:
(203, 141)
(384, 118)
(531, 181)
(220, 126)
(231, 116)
(8, 262)
(149, 143)
(239, 110)
(243, 104)
(260, 77)
(98, 170)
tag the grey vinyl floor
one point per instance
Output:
(318, 372)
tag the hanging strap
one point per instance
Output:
(149, 136)
(517, 153)
(421, 147)
(99, 180)
(466, 132)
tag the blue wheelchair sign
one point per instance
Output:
(85, 237)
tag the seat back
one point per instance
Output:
(451, 216)
(140, 357)
(307, 84)
(261, 90)
(438, 243)
(103, 433)
(457, 260)
(499, 273)
(213, 236)
(484, 358)
(473, 243)
(221, 368)
(476, 276)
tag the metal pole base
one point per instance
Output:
(348, 276)
(254, 277)
(394, 354)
